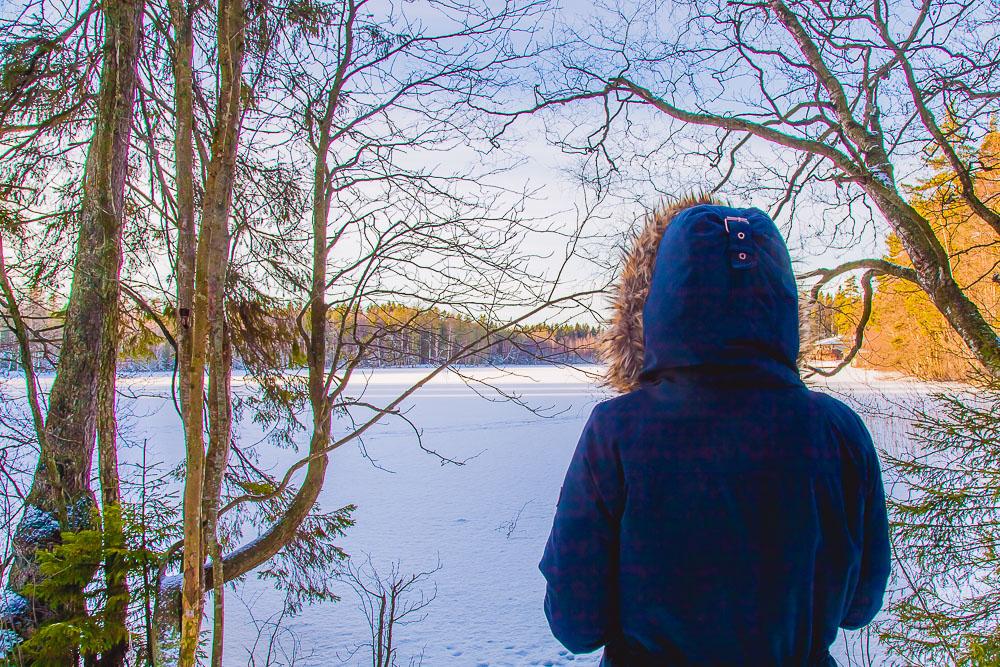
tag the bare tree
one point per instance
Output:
(388, 600)
(276, 643)
(209, 347)
(433, 239)
(826, 105)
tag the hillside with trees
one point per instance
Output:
(906, 333)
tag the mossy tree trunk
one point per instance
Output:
(113, 531)
(61, 486)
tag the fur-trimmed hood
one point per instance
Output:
(694, 292)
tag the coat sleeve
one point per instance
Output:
(876, 557)
(581, 556)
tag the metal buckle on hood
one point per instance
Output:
(741, 248)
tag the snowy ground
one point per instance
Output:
(485, 522)
(489, 592)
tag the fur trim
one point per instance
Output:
(621, 344)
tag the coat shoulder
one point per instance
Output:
(851, 434)
(615, 415)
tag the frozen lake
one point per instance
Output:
(484, 522)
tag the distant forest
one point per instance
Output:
(391, 335)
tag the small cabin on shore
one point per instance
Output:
(829, 349)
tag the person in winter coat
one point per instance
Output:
(717, 512)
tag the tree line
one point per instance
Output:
(412, 338)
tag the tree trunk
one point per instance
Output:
(182, 19)
(243, 560)
(220, 426)
(115, 567)
(929, 257)
(60, 487)
(283, 530)
(24, 349)
(934, 275)
(209, 337)
(191, 382)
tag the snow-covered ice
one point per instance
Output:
(485, 522)
(488, 609)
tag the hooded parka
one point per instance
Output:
(717, 512)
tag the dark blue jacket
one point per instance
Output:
(721, 513)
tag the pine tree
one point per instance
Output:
(946, 533)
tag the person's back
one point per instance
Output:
(718, 513)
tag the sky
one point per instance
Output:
(532, 161)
